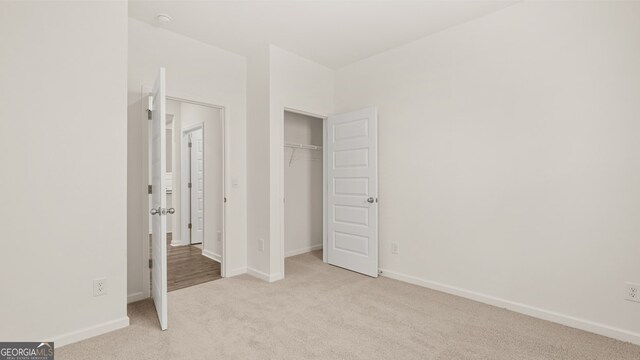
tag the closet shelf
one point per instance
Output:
(300, 146)
(303, 146)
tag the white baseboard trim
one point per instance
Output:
(91, 331)
(236, 272)
(567, 320)
(303, 250)
(211, 255)
(264, 276)
(137, 296)
(177, 242)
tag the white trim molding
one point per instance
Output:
(303, 250)
(563, 319)
(211, 255)
(264, 276)
(236, 272)
(91, 331)
(137, 296)
(178, 242)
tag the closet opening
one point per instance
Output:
(303, 187)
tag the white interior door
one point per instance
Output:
(352, 201)
(197, 187)
(158, 199)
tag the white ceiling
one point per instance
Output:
(332, 33)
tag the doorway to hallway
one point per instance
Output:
(194, 159)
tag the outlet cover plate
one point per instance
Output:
(395, 248)
(632, 292)
(100, 287)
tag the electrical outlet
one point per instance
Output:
(100, 287)
(633, 292)
(261, 245)
(395, 248)
(219, 235)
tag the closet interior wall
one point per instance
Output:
(303, 183)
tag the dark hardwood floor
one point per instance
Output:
(186, 266)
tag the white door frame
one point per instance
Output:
(184, 188)
(146, 292)
(280, 173)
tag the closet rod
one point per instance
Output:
(303, 146)
(300, 146)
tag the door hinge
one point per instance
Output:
(189, 185)
(149, 107)
(149, 189)
(225, 199)
(150, 263)
(189, 226)
(190, 144)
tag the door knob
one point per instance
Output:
(171, 210)
(370, 200)
(155, 211)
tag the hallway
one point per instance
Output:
(186, 266)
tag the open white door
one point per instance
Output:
(157, 103)
(352, 202)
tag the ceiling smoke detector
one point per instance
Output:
(163, 19)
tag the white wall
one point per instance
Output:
(509, 164)
(63, 151)
(302, 185)
(197, 72)
(276, 79)
(213, 152)
(299, 84)
(258, 162)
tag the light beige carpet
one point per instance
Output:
(323, 312)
